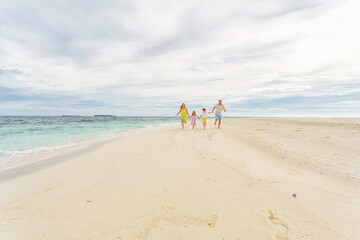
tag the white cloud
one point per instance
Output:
(165, 52)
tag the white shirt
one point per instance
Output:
(204, 115)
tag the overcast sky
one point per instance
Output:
(262, 57)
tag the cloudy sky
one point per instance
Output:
(262, 57)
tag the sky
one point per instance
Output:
(261, 57)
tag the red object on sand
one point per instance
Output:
(294, 195)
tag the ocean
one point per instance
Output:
(25, 139)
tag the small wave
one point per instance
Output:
(43, 128)
(34, 150)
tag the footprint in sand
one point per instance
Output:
(167, 207)
(207, 179)
(48, 189)
(293, 171)
(210, 136)
(279, 227)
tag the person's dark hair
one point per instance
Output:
(204, 109)
(220, 100)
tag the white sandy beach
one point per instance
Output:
(167, 183)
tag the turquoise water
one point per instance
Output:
(22, 135)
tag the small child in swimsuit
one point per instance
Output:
(193, 119)
(204, 117)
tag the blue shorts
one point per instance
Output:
(218, 117)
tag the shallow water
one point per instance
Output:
(22, 135)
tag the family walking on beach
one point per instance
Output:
(184, 114)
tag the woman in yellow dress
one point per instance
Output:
(184, 114)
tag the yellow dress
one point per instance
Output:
(183, 115)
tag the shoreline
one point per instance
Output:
(81, 146)
(18, 171)
(236, 182)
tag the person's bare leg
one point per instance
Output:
(182, 123)
(215, 121)
(219, 124)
